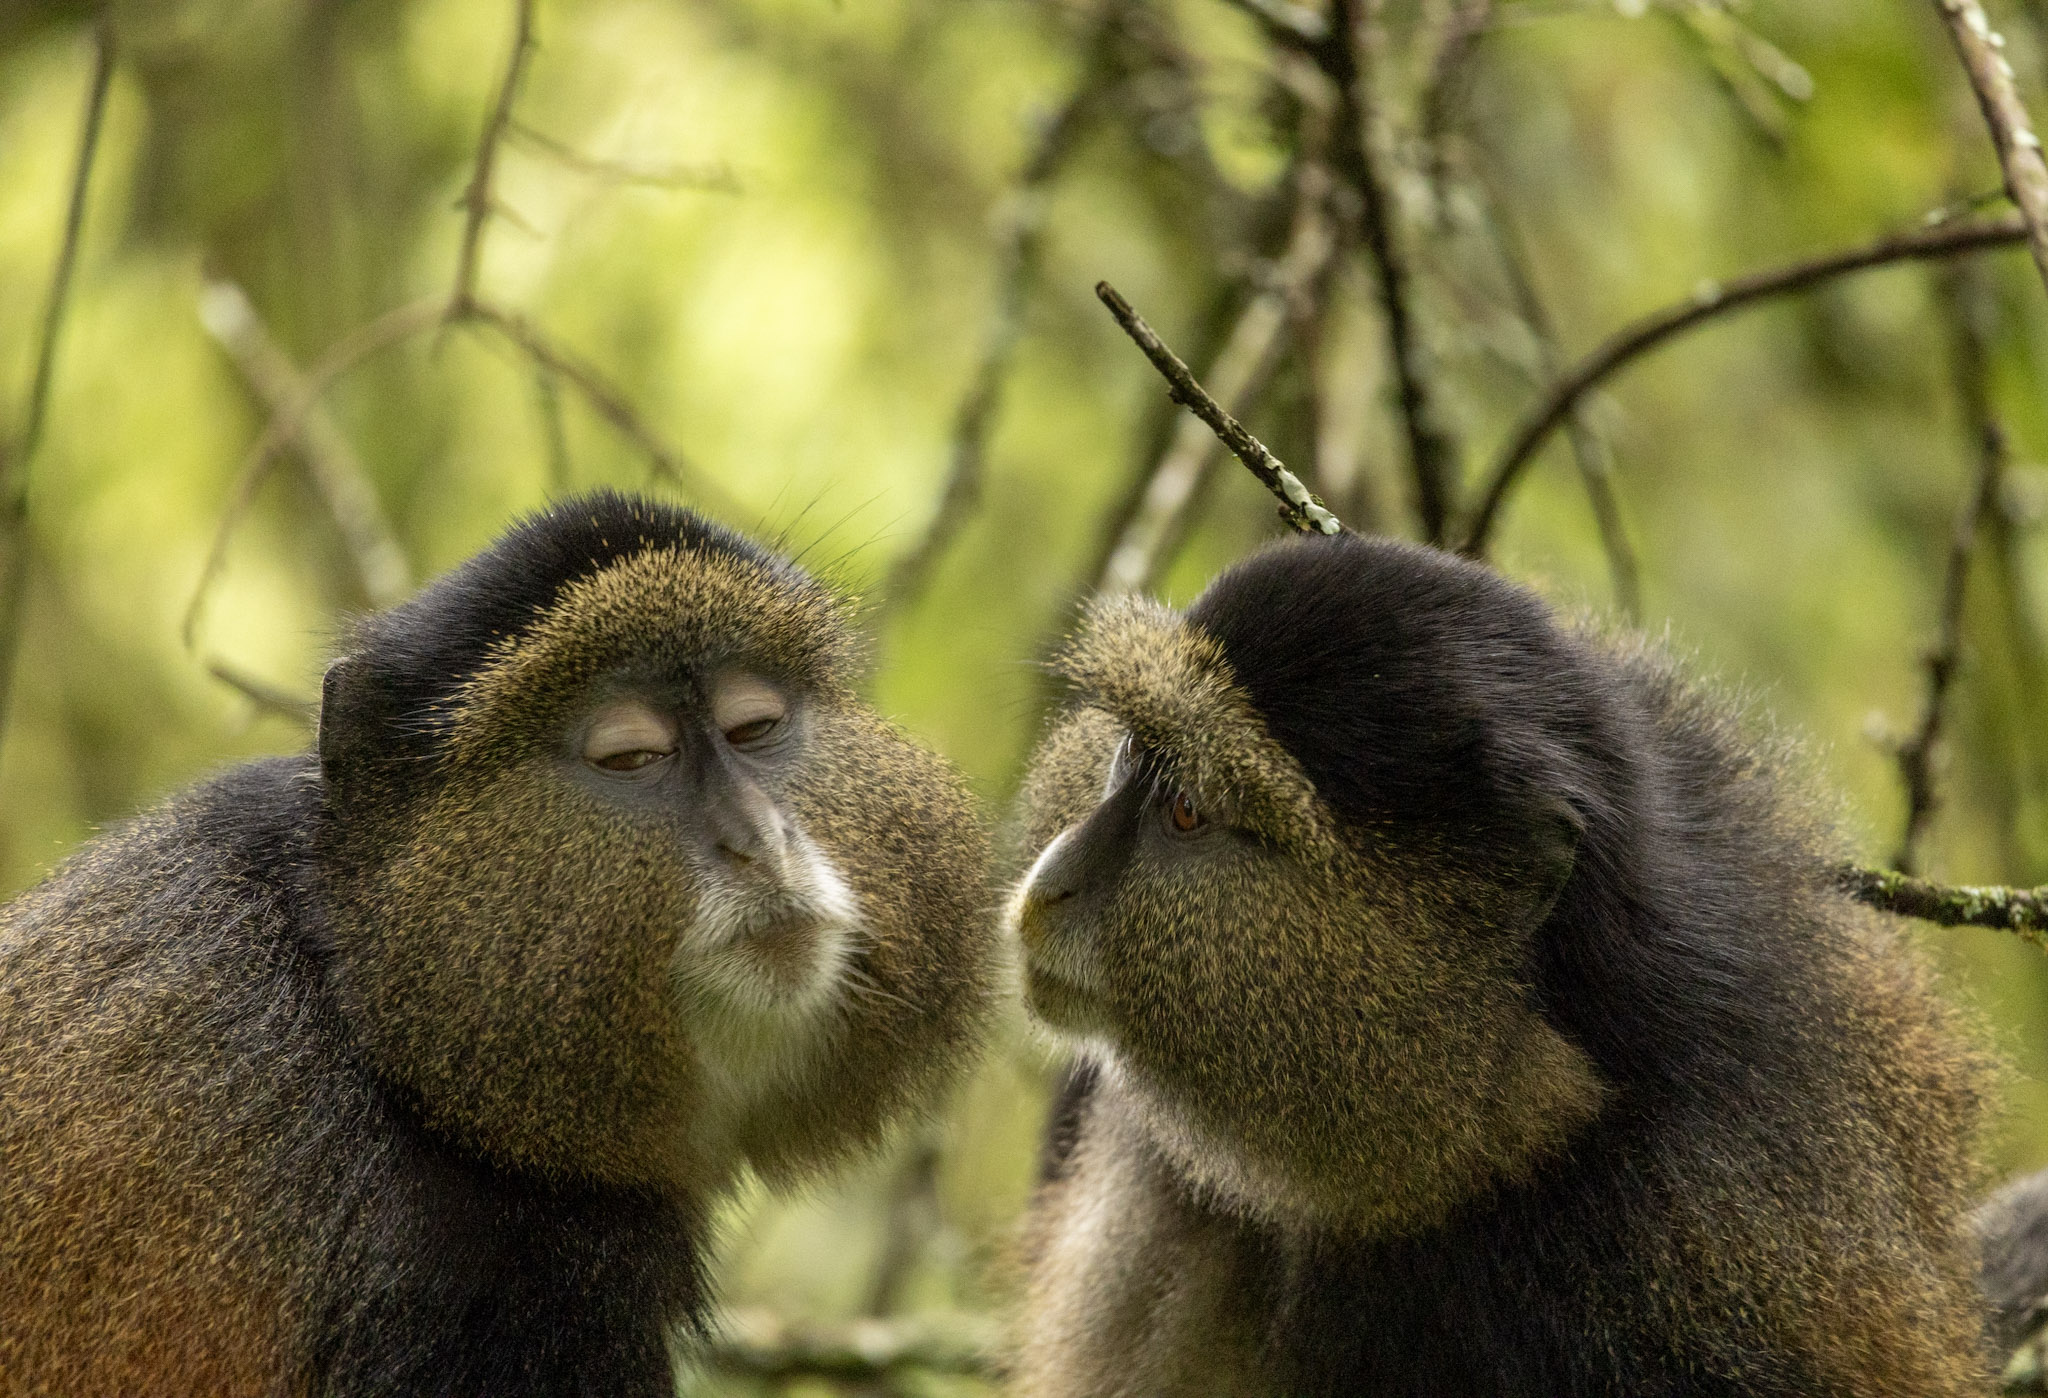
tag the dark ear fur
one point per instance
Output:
(336, 736)
(1551, 853)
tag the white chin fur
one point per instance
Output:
(773, 949)
(755, 1016)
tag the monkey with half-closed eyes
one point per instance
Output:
(413, 1065)
(1462, 1008)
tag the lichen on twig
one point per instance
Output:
(2021, 910)
(1982, 50)
(1299, 507)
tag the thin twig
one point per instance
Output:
(759, 1344)
(711, 179)
(1432, 455)
(1146, 541)
(389, 329)
(263, 694)
(1987, 437)
(16, 459)
(1589, 451)
(2021, 910)
(606, 399)
(478, 201)
(1299, 507)
(1021, 245)
(1711, 301)
(912, 1219)
(336, 472)
(1982, 50)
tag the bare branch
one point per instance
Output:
(762, 1345)
(711, 179)
(387, 330)
(16, 459)
(1589, 451)
(1916, 754)
(2012, 132)
(336, 472)
(1299, 507)
(1432, 455)
(1145, 542)
(477, 198)
(1711, 301)
(2021, 910)
(264, 695)
(1021, 243)
(912, 1220)
(606, 400)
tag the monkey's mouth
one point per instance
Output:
(1058, 1000)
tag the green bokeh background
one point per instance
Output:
(804, 337)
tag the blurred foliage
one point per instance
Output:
(797, 304)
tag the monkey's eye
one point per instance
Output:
(628, 735)
(747, 709)
(1186, 817)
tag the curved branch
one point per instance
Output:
(1711, 301)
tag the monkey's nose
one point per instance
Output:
(746, 829)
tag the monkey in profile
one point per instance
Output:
(414, 1065)
(1461, 1008)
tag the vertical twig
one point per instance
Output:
(1352, 58)
(1916, 754)
(1021, 245)
(548, 398)
(1589, 451)
(1982, 50)
(15, 460)
(479, 201)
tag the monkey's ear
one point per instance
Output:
(1553, 852)
(335, 726)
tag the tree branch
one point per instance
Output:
(1915, 756)
(1240, 370)
(285, 424)
(1021, 244)
(1982, 51)
(2020, 910)
(336, 472)
(1299, 507)
(607, 400)
(712, 179)
(1711, 301)
(15, 460)
(478, 201)
(1432, 455)
(759, 1344)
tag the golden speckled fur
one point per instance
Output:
(1611, 1094)
(390, 1072)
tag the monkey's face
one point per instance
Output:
(651, 917)
(1313, 1022)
